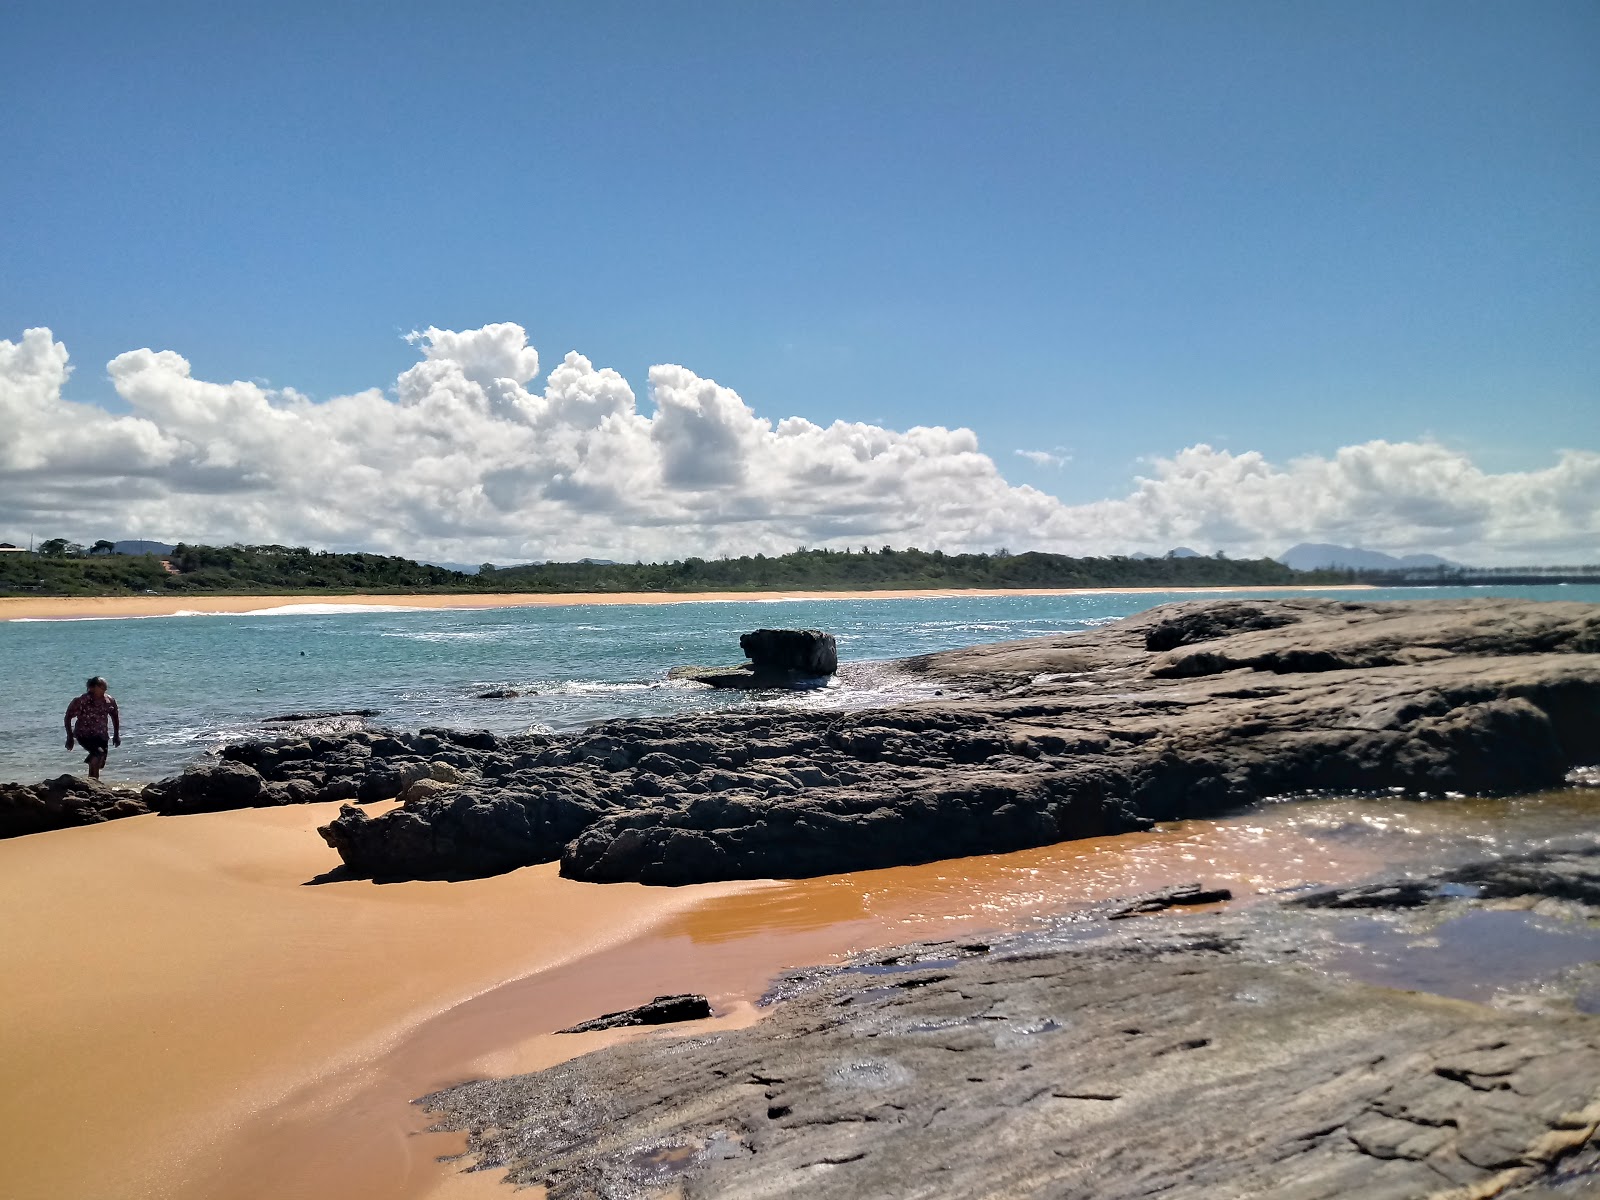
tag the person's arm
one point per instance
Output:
(116, 725)
(72, 711)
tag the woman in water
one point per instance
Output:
(91, 712)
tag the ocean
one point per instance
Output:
(187, 684)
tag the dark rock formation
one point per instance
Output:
(1188, 1060)
(779, 658)
(1187, 710)
(63, 802)
(1188, 896)
(663, 1010)
(803, 651)
(364, 766)
(297, 718)
(499, 694)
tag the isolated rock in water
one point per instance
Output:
(499, 694)
(1188, 895)
(1188, 710)
(779, 658)
(63, 802)
(803, 651)
(663, 1010)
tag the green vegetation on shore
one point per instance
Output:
(272, 570)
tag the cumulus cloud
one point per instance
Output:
(467, 458)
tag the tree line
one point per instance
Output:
(267, 570)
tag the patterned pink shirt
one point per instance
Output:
(93, 714)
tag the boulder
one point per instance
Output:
(802, 651)
(421, 789)
(207, 787)
(63, 802)
(779, 658)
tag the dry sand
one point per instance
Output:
(67, 607)
(186, 1019)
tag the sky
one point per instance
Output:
(515, 281)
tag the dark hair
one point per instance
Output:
(95, 680)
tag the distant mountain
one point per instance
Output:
(1313, 556)
(141, 547)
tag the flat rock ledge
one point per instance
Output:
(1188, 710)
(1185, 1058)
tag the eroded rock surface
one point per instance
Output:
(1182, 1058)
(1187, 710)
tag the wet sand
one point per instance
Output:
(185, 1019)
(36, 608)
(168, 977)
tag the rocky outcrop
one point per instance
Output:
(803, 651)
(63, 802)
(1191, 1058)
(663, 1010)
(778, 658)
(364, 766)
(1188, 710)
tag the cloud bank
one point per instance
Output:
(466, 459)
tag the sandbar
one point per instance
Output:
(36, 608)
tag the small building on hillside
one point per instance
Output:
(8, 548)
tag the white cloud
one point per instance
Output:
(1056, 458)
(472, 461)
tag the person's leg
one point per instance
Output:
(96, 754)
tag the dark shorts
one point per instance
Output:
(93, 745)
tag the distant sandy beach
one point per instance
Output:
(45, 608)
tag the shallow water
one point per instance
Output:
(187, 684)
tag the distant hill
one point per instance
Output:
(1177, 552)
(139, 547)
(1316, 556)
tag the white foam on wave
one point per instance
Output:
(325, 610)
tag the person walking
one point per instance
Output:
(86, 721)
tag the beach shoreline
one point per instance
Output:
(63, 608)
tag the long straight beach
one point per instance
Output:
(15, 608)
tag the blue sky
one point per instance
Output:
(1121, 229)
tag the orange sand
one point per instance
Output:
(166, 977)
(57, 607)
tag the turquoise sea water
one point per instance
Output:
(186, 684)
